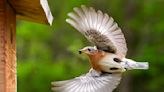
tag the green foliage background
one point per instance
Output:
(49, 53)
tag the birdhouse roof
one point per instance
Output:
(32, 10)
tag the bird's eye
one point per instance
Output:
(89, 49)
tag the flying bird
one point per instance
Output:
(107, 58)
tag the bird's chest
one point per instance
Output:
(95, 61)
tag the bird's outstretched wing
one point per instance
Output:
(99, 29)
(91, 82)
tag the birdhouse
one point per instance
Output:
(11, 10)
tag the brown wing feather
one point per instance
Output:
(100, 40)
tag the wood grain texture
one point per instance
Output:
(32, 10)
(35, 10)
(7, 48)
(2, 50)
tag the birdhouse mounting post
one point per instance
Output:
(10, 10)
(7, 48)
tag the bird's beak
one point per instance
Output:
(81, 51)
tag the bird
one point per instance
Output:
(107, 57)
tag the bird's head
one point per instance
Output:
(89, 50)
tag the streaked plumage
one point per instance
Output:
(107, 57)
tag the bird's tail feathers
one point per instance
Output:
(130, 64)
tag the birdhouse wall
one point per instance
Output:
(7, 48)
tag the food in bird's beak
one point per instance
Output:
(80, 52)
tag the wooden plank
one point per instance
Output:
(32, 10)
(7, 48)
(2, 51)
